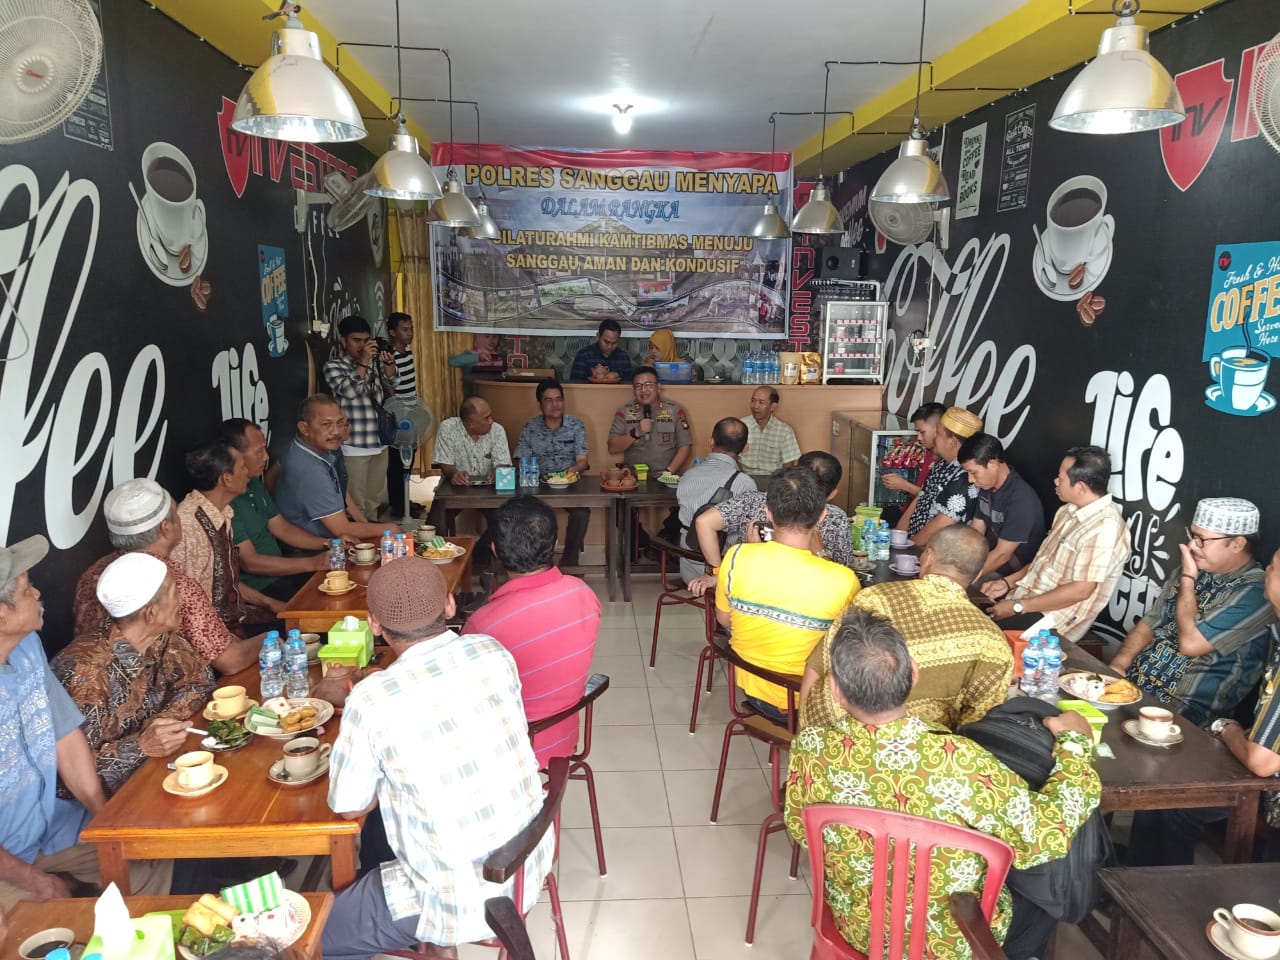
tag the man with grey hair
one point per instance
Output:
(964, 661)
(877, 754)
(141, 516)
(43, 748)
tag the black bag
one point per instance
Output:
(1067, 888)
(719, 495)
(388, 425)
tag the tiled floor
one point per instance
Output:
(678, 886)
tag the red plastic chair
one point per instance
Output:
(747, 722)
(579, 768)
(894, 834)
(675, 594)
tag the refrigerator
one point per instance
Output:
(862, 447)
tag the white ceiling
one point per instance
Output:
(718, 67)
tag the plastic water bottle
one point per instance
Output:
(775, 368)
(401, 546)
(882, 541)
(1052, 667)
(1032, 661)
(271, 665)
(387, 547)
(337, 556)
(748, 369)
(298, 684)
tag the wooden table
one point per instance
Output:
(587, 492)
(648, 493)
(248, 816)
(313, 611)
(32, 916)
(1170, 907)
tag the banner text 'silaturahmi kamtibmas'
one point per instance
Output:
(654, 239)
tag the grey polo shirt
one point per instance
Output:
(310, 487)
(698, 485)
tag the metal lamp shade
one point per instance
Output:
(454, 209)
(402, 174)
(1125, 90)
(912, 178)
(293, 95)
(771, 226)
(818, 215)
(487, 228)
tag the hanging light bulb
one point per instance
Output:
(293, 95)
(1125, 89)
(819, 215)
(487, 228)
(454, 209)
(771, 225)
(401, 173)
(622, 119)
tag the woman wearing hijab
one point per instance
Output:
(662, 348)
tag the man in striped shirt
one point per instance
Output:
(400, 333)
(548, 621)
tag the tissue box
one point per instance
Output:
(153, 940)
(1097, 719)
(504, 479)
(357, 643)
(256, 896)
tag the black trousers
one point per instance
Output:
(395, 485)
(575, 534)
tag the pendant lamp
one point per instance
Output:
(487, 228)
(293, 95)
(913, 177)
(1125, 89)
(819, 215)
(453, 209)
(771, 225)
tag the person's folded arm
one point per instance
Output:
(257, 597)
(1259, 759)
(343, 384)
(935, 524)
(340, 525)
(293, 535)
(264, 564)
(79, 770)
(999, 555)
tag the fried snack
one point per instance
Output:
(1122, 691)
(208, 913)
(438, 553)
(298, 719)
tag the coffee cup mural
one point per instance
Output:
(172, 234)
(1074, 249)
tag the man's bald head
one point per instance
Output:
(958, 552)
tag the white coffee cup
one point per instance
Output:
(303, 755)
(898, 539)
(1156, 723)
(365, 552)
(1073, 218)
(228, 702)
(1253, 930)
(170, 182)
(38, 945)
(1242, 373)
(195, 769)
(905, 564)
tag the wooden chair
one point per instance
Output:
(508, 861)
(508, 926)
(579, 768)
(748, 722)
(674, 594)
(900, 896)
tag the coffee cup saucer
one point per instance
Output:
(208, 713)
(1131, 728)
(1095, 267)
(1221, 940)
(170, 271)
(171, 784)
(277, 774)
(338, 593)
(276, 351)
(1214, 400)
(904, 570)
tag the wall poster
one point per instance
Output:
(973, 144)
(1015, 158)
(1242, 330)
(653, 239)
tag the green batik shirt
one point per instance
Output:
(923, 769)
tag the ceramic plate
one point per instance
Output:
(171, 784)
(1100, 704)
(217, 746)
(277, 775)
(457, 552)
(559, 483)
(1131, 728)
(249, 705)
(324, 712)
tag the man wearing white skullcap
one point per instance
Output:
(42, 748)
(141, 517)
(135, 679)
(1204, 641)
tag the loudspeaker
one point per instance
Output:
(841, 263)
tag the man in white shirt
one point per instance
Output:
(470, 445)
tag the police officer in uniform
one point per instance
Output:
(650, 430)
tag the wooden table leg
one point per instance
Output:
(1241, 825)
(342, 860)
(610, 571)
(113, 867)
(627, 522)
(1125, 937)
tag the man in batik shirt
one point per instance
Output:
(878, 756)
(947, 496)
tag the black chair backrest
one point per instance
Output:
(508, 926)
(596, 684)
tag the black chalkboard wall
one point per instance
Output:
(1189, 220)
(126, 339)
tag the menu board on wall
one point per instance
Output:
(91, 121)
(969, 188)
(1015, 158)
(652, 239)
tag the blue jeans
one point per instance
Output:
(768, 710)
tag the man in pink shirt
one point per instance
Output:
(548, 621)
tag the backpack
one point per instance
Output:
(1068, 888)
(719, 495)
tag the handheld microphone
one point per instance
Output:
(648, 411)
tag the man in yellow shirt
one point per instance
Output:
(776, 597)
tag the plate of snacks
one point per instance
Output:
(670, 479)
(206, 927)
(226, 735)
(282, 926)
(562, 478)
(439, 550)
(285, 717)
(1104, 692)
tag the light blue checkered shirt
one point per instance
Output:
(440, 738)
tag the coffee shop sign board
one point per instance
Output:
(1242, 328)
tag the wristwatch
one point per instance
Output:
(1017, 606)
(1219, 725)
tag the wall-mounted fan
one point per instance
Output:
(348, 203)
(1266, 91)
(50, 55)
(907, 223)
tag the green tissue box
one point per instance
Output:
(345, 642)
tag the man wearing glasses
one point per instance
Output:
(650, 430)
(1202, 645)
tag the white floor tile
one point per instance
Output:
(617, 642)
(628, 930)
(719, 861)
(681, 750)
(671, 705)
(782, 932)
(623, 706)
(682, 640)
(624, 748)
(623, 671)
(675, 670)
(542, 934)
(626, 799)
(641, 860)
(743, 800)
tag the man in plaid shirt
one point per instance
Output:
(360, 380)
